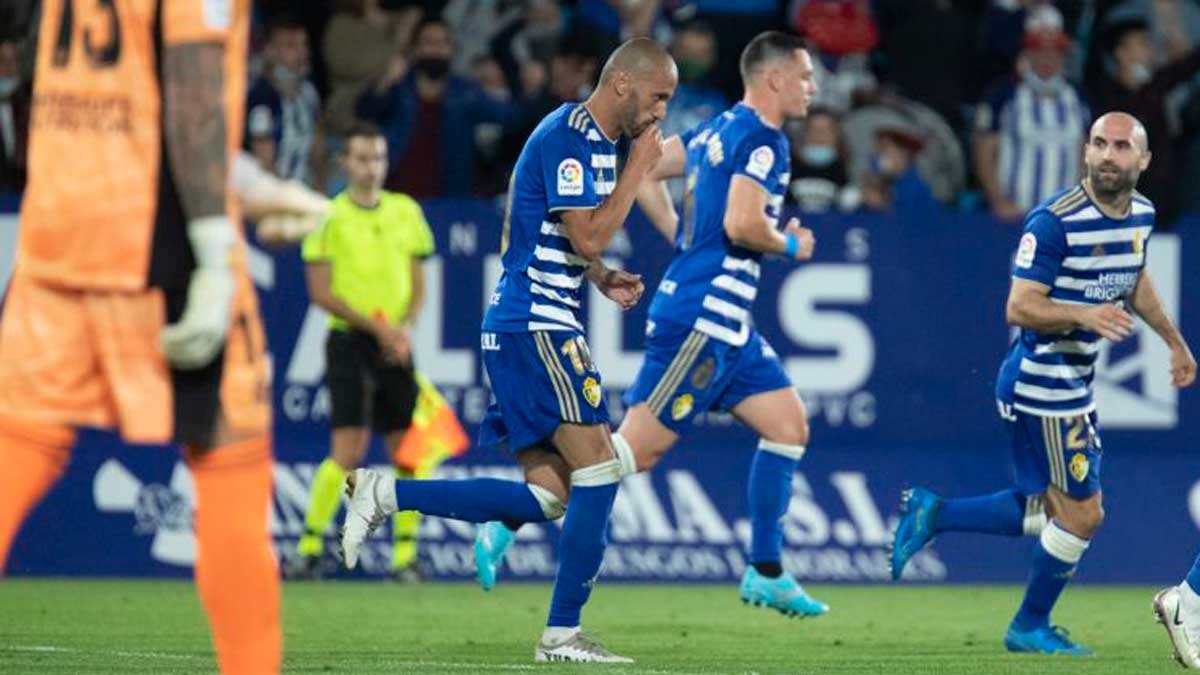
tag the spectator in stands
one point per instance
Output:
(14, 117)
(1029, 130)
(1174, 25)
(429, 117)
(819, 179)
(694, 48)
(1133, 84)
(358, 45)
(893, 183)
(736, 23)
(534, 38)
(283, 121)
(841, 35)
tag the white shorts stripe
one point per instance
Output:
(567, 402)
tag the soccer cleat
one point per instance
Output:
(579, 648)
(492, 539)
(363, 513)
(918, 508)
(410, 574)
(305, 568)
(781, 593)
(1044, 640)
(1185, 639)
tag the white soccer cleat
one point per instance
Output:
(579, 648)
(364, 512)
(1184, 633)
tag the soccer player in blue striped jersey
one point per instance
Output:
(565, 204)
(1078, 271)
(702, 352)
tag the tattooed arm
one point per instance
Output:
(194, 129)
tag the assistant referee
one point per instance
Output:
(364, 267)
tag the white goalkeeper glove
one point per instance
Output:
(197, 337)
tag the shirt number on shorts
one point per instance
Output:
(577, 350)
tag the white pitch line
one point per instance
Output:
(52, 649)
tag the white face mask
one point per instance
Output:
(1048, 86)
(1140, 73)
(8, 85)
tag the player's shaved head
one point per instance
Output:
(639, 58)
(1115, 125)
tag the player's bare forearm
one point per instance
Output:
(1146, 304)
(655, 202)
(319, 278)
(1029, 306)
(746, 220)
(195, 126)
(591, 231)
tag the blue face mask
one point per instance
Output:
(818, 155)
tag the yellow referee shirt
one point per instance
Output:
(371, 251)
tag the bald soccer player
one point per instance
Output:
(1078, 274)
(565, 204)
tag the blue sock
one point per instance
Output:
(999, 513)
(1193, 577)
(769, 492)
(475, 500)
(1053, 564)
(583, 539)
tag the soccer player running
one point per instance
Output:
(702, 353)
(565, 204)
(1078, 270)
(364, 267)
(130, 307)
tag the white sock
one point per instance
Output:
(385, 494)
(556, 635)
(624, 455)
(1188, 599)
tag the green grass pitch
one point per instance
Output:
(61, 626)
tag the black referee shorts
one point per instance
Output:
(365, 390)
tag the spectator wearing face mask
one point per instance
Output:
(283, 109)
(14, 118)
(819, 179)
(1029, 130)
(696, 99)
(430, 115)
(893, 183)
(1133, 83)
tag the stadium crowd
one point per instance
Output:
(976, 104)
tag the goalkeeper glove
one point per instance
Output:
(197, 337)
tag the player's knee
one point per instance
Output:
(792, 431)
(1093, 518)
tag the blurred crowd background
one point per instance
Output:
(978, 105)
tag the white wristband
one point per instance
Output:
(212, 239)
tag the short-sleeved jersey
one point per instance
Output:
(567, 163)
(101, 202)
(712, 282)
(1083, 257)
(371, 251)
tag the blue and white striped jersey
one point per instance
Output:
(1039, 133)
(1084, 257)
(711, 282)
(566, 164)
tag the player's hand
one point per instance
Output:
(394, 343)
(197, 337)
(1108, 320)
(808, 241)
(623, 288)
(646, 149)
(1183, 366)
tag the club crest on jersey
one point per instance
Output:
(703, 374)
(1026, 251)
(1079, 467)
(591, 391)
(681, 407)
(570, 178)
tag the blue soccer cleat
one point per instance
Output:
(492, 539)
(918, 508)
(1044, 640)
(781, 593)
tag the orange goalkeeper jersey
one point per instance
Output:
(101, 210)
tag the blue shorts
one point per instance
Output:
(687, 372)
(1059, 451)
(539, 381)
